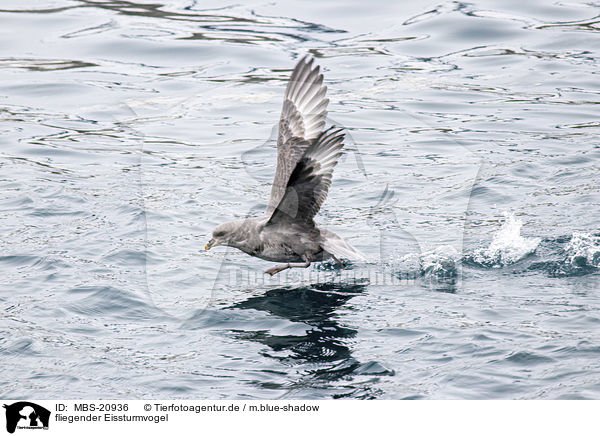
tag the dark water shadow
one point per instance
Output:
(313, 305)
(324, 348)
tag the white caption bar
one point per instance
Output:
(283, 417)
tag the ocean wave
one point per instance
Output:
(576, 255)
(583, 250)
(507, 247)
(442, 261)
(571, 255)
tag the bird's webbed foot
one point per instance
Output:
(279, 268)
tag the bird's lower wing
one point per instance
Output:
(309, 182)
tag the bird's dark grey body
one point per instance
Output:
(306, 156)
(276, 243)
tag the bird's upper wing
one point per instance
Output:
(309, 182)
(302, 120)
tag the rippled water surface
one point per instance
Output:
(471, 181)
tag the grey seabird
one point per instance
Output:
(306, 156)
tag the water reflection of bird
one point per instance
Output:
(306, 156)
(312, 305)
(324, 346)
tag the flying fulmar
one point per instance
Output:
(306, 156)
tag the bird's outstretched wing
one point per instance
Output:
(302, 121)
(309, 182)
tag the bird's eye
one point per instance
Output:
(219, 234)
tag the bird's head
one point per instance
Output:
(225, 234)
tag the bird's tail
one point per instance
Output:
(335, 245)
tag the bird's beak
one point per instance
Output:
(210, 244)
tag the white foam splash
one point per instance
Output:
(441, 261)
(508, 246)
(583, 250)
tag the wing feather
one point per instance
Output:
(310, 180)
(302, 120)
